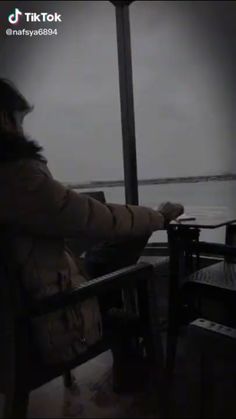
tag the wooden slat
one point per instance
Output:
(119, 279)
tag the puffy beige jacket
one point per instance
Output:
(31, 198)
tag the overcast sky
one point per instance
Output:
(183, 68)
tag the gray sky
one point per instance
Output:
(183, 71)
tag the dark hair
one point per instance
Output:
(14, 145)
(12, 101)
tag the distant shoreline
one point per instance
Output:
(157, 181)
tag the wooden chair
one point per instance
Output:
(21, 367)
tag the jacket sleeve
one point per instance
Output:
(45, 206)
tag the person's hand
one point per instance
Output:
(170, 211)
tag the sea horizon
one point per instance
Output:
(152, 181)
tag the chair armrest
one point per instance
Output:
(122, 278)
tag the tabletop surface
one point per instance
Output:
(208, 219)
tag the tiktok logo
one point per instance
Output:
(14, 17)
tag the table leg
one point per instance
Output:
(179, 240)
(153, 343)
(176, 253)
(180, 266)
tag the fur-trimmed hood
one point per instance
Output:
(15, 147)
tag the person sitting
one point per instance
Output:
(47, 213)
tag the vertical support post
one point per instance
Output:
(127, 102)
(153, 342)
(176, 257)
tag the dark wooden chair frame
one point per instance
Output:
(19, 347)
(21, 375)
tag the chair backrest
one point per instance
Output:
(230, 239)
(12, 295)
(13, 307)
(98, 195)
